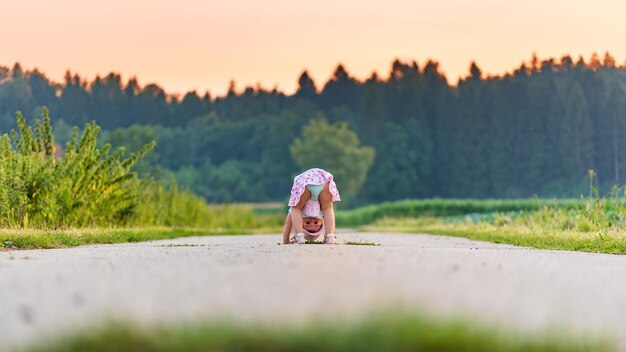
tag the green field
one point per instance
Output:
(593, 224)
(443, 208)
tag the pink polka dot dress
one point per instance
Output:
(312, 177)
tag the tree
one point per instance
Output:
(133, 138)
(74, 100)
(341, 89)
(403, 166)
(577, 133)
(336, 149)
(474, 72)
(4, 74)
(190, 107)
(306, 86)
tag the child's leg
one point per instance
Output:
(296, 211)
(326, 203)
(287, 229)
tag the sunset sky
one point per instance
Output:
(194, 44)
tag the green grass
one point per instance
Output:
(359, 243)
(36, 239)
(590, 224)
(611, 241)
(349, 243)
(376, 332)
(444, 207)
(181, 215)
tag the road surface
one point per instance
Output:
(44, 293)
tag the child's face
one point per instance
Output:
(312, 224)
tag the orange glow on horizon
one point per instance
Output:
(203, 45)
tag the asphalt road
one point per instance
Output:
(44, 293)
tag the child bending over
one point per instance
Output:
(311, 207)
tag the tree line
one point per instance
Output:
(534, 131)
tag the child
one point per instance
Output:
(311, 207)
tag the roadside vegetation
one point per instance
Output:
(85, 193)
(592, 224)
(444, 208)
(377, 332)
(36, 239)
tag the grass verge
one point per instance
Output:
(40, 239)
(377, 332)
(611, 241)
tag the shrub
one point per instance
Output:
(170, 206)
(86, 185)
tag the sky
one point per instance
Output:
(200, 45)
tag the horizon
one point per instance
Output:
(318, 83)
(203, 45)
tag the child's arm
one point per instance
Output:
(296, 219)
(287, 229)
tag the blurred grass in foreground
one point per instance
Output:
(376, 332)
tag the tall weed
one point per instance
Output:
(83, 185)
(171, 206)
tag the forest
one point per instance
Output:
(535, 131)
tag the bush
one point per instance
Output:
(161, 206)
(85, 186)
